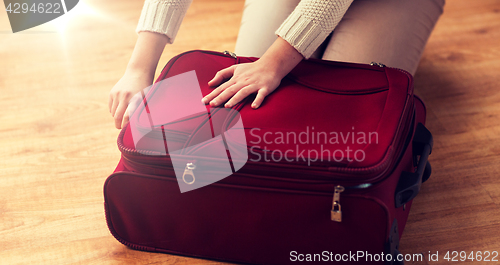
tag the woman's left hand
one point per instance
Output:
(262, 76)
(244, 79)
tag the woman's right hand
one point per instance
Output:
(138, 76)
(130, 85)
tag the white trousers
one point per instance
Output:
(392, 32)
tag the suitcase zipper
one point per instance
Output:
(336, 212)
(232, 54)
(387, 164)
(319, 171)
(188, 172)
(377, 64)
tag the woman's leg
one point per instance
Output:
(392, 32)
(261, 18)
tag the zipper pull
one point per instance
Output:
(377, 64)
(336, 213)
(188, 171)
(232, 54)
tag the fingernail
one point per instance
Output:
(228, 105)
(204, 101)
(213, 103)
(254, 106)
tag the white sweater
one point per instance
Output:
(305, 29)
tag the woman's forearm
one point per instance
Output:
(147, 53)
(281, 57)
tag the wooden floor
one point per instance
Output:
(57, 139)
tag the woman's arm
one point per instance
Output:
(299, 36)
(262, 76)
(158, 25)
(138, 75)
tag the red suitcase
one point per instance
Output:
(325, 170)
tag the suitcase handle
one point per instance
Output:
(409, 183)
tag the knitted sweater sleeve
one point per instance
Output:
(163, 16)
(311, 22)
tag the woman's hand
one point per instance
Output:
(139, 75)
(245, 79)
(121, 94)
(262, 76)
